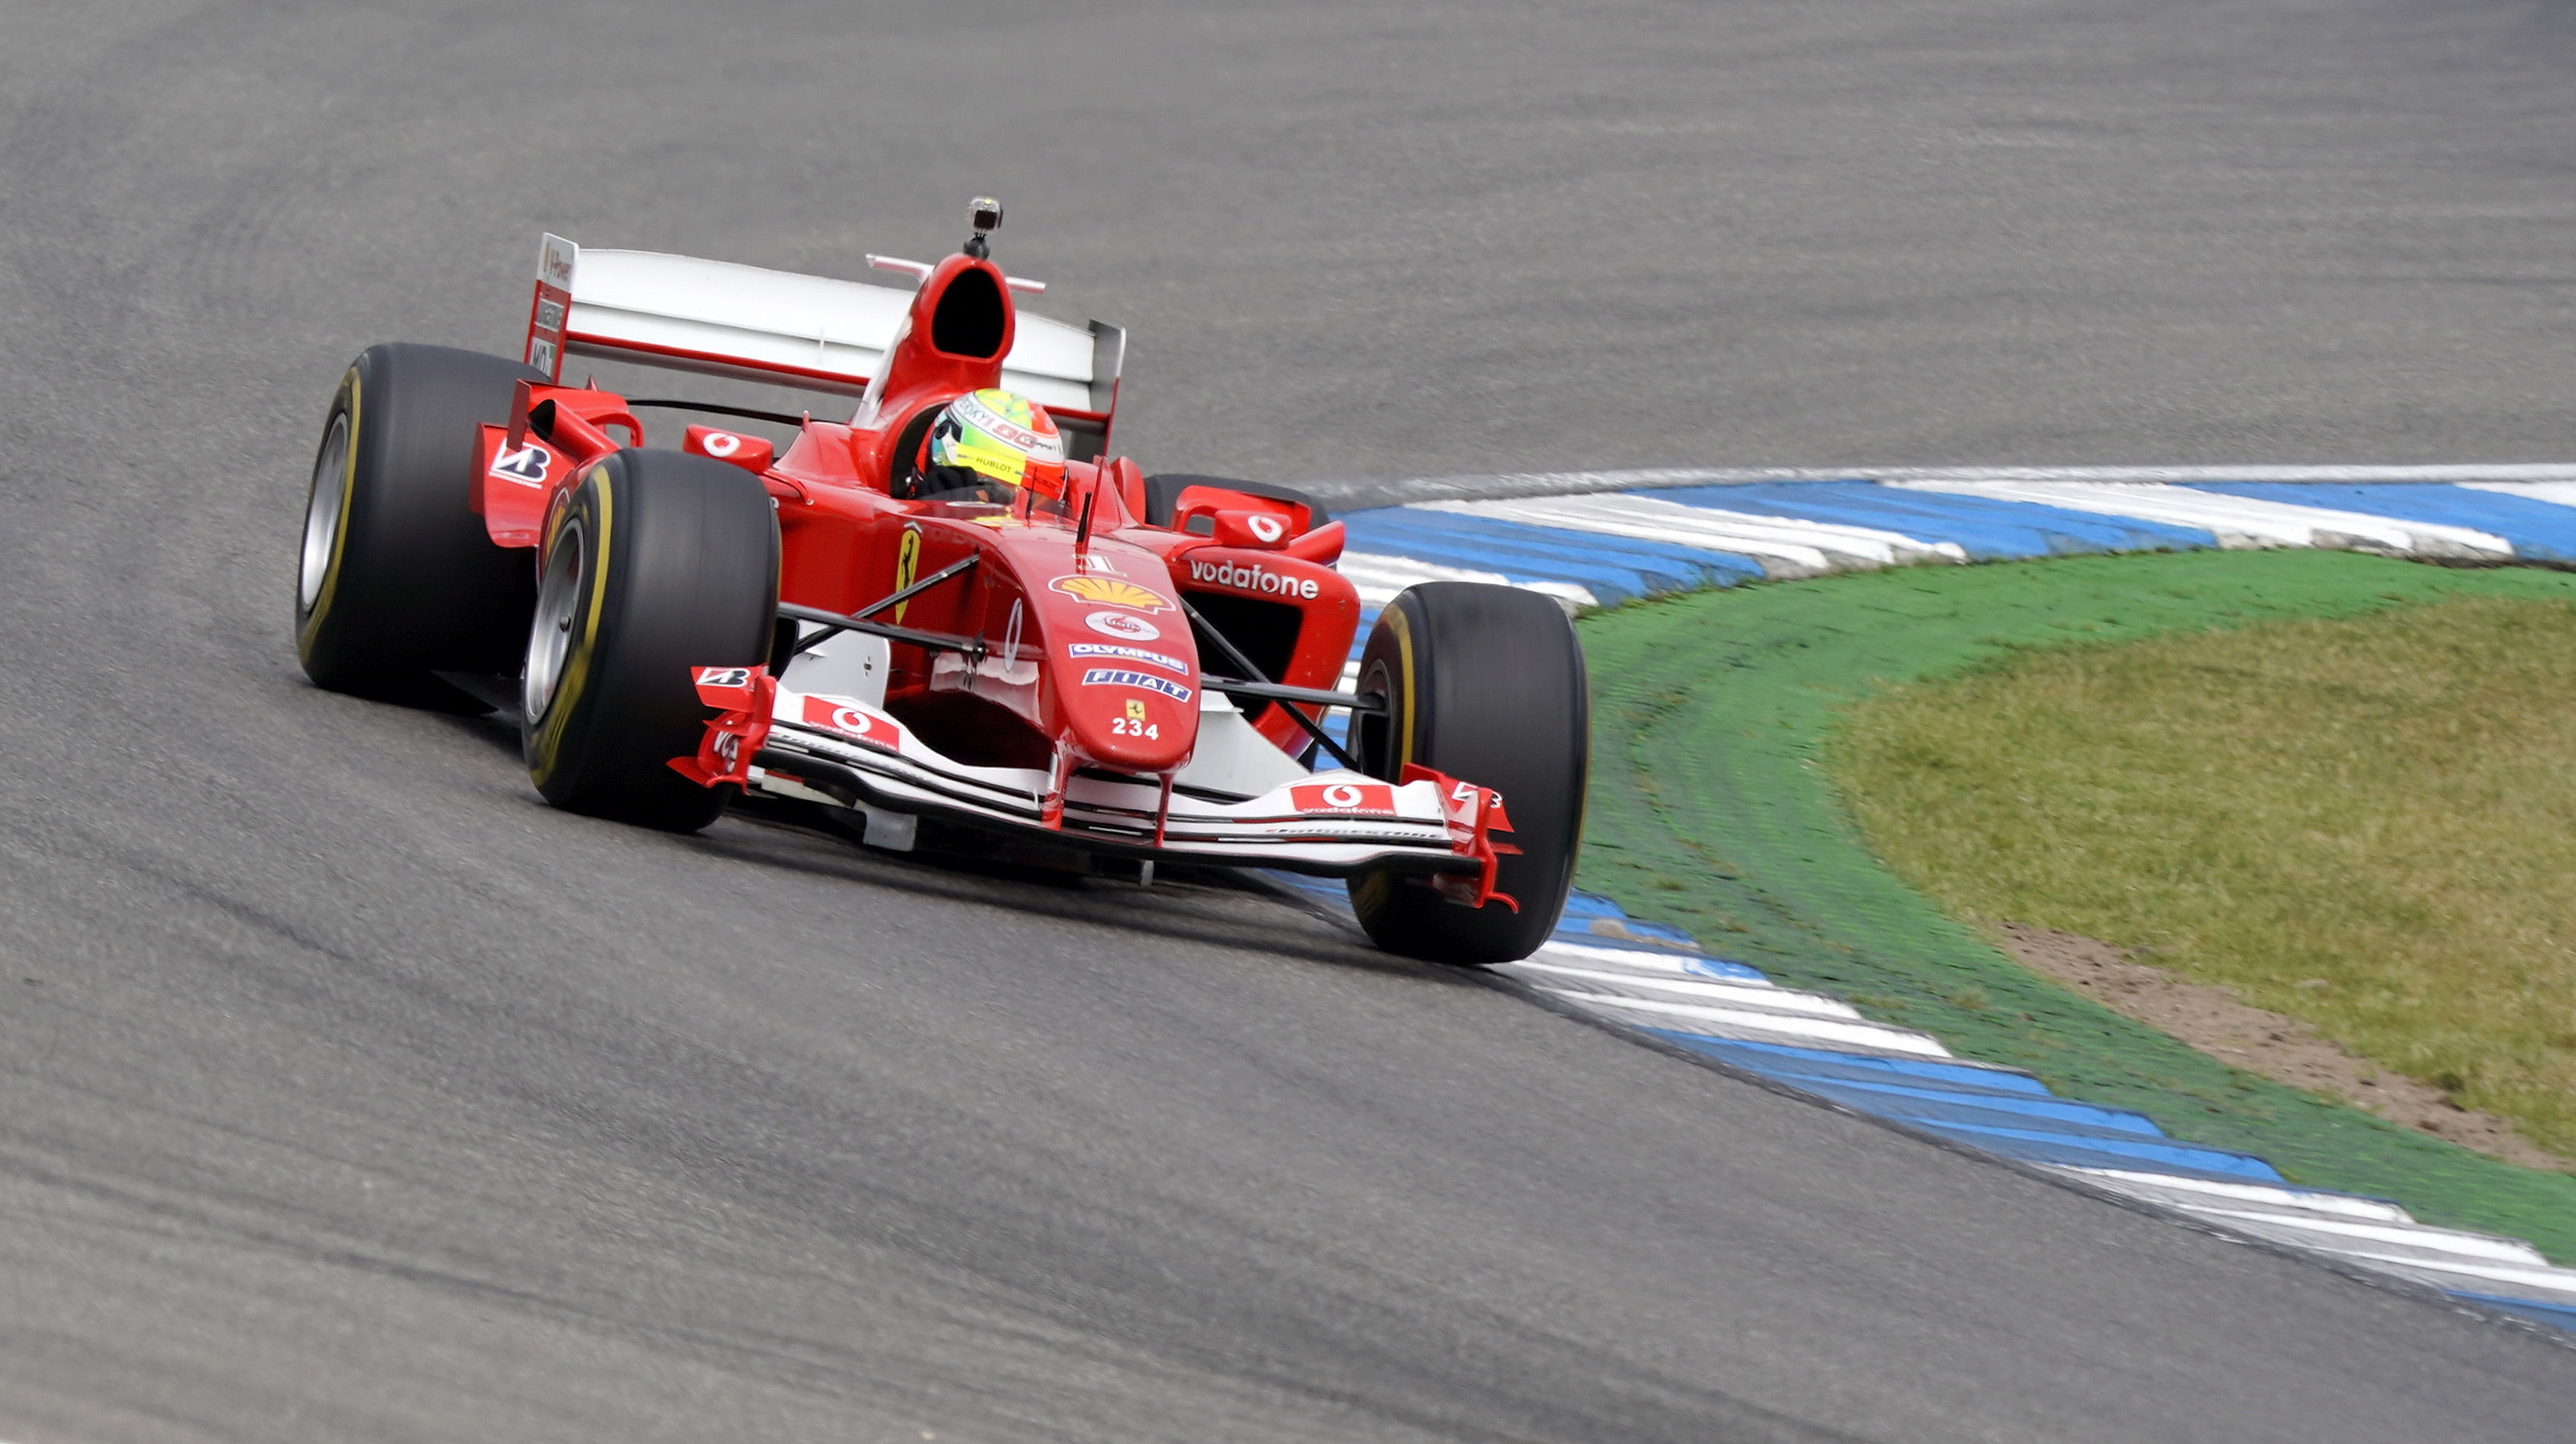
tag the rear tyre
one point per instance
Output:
(659, 563)
(398, 578)
(1486, 684)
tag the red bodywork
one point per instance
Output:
(1042, 590)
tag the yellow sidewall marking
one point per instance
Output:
(576, 673)
(1375, 888)
(1403, 738)
(340, 535)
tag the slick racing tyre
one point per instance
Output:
(1485, 684)
(398, 578)
(659, 563)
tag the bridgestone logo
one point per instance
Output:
(1256, 578)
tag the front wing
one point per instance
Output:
(846, 752)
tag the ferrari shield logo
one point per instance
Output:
(907, 562)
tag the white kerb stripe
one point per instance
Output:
(1573, 483)
(2274, 1196)
(2238, 521)
(1378, 577)
(2558, 1281)
(2559, 493)
(2446, 1240)
(1678, 964)
(1785, 544)
(1751, 995)
(1867, 1035)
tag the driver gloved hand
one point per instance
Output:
(955, 483)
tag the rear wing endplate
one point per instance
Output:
(721, 319)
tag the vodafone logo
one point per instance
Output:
(840, 714)
(1259, 580)
(720, 444)
(1349, 799)
(1268, 528)
(1120, 624)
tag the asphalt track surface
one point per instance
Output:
(348, 1093)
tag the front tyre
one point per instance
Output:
(659, 563)
(1486, 684)
(398, 578)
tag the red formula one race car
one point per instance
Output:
(956, 619)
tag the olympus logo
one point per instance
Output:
(1129, 654)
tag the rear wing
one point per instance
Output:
(721, 319)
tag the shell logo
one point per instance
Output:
(1111, 592)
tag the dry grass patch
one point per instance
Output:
(2368, 824)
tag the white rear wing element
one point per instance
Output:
(721, 319)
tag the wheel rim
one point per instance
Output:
(1372, 742)
(550, 634)
(323, 514)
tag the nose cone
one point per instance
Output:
(1126, 670)
(1132, 715)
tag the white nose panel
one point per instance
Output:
(851, 664)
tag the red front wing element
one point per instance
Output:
(1475, 813)
(747, 694)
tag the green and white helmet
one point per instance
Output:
(1003, 437)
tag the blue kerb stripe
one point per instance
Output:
(2539, 530)
(1722, 969)
(1593, 905)
(1987, 528)
(2086, 1147)
(1554, 545)
(1912, 1102)
(1579, 903)
(1789, 1058)
(1614, 569)
(2559, 1315)
(2038, 1147)
(1536, 554)
(1481, 545)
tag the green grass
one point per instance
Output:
(1709, 812)
(2367, 822)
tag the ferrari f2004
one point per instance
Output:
(957, 616)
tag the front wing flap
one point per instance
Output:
(848, 752)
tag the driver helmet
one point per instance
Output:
(993, 442)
